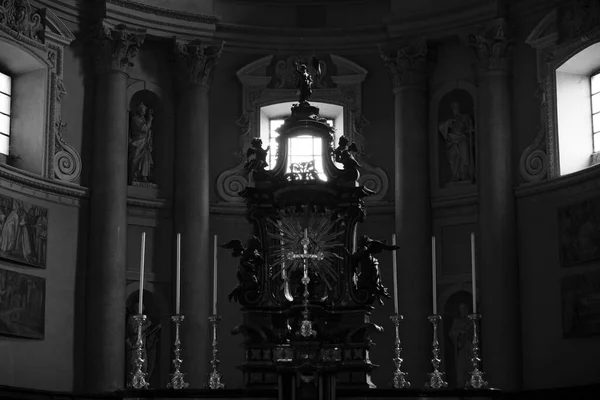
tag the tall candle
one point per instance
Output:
(215, 278)
(434, 275)
(178, 279)
(473, 276)
(143, 252)
(394, 264)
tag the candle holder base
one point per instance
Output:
(399, 377)
(138, 376)
(177, 382)
(436, 378)
(476, 380)
(214, 378)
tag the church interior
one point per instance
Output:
(299, 199)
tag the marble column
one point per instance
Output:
(115, 50)
(412, 204)
(195, 63)
(499, 273)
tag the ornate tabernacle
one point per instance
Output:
(306, 291)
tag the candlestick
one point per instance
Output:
(399, 381)
(178, 279)
(177, 381)
(143, 252)
(395, 270)
(473, 276)
(436, 378)
(476, 376)
(214, 378)
(138, 377)
(434, 275)
(215, 278)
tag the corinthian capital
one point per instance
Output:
(196, 62)
(493, 45)
(408, 64)
(117, 46)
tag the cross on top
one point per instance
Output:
(305, 255)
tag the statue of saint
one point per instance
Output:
(305, 81)
(461, 336)
(141, 161)
(150, 337)
(367, 274)
(458, 132)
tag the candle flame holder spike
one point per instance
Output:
(399, 378)
(138, 376)
(476, 380)
(436, 378)
(177, 381)
(214, 378)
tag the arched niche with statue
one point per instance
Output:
(269, 82)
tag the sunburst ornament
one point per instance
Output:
(318, 247)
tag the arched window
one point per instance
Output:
(578, 107)
(302, 148)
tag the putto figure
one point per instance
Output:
(305, 82)
(256, 159)
(343, 155)
(251, 260)
(366, 267)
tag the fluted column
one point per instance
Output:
(115, 50)
(499, 274)
(412, 204)
(192, 187)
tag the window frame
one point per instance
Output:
(9, 115)
(595, 133)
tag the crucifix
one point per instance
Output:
(306, 327)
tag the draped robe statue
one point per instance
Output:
(141, 160)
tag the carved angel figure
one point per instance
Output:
(343, 154)
(305, 83)
(366, 267)
(251, 260)
(256, 158)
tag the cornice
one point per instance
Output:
(587, 179)
(245, 38)
(465, 200)
(41, 188)
(146, 203)
(164, 12)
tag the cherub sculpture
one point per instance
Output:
(305, 83)
(251, 260)
(256, 158)
(366, 267)
(343, 154)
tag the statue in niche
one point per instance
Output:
(305, 81)
(251, 260)
(256, 159)
(150, 338)
(461, 336)
(367, 275)
(141, 148)
(343, 155)
(458, 133)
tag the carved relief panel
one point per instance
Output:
(269, 81)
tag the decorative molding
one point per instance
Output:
(20, 19)
(408, 65)
(493, 45)
(257, 92)
(67, 163)
(146, 203)
(35, 186)
(562, 33)
(587, 180)
(164, 12)
(577, 18)
(196, 62)
(117, 46)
